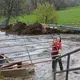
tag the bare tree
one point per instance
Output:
(11, 8)
(34, 3)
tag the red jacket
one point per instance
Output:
(56, 46)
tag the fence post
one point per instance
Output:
(27, 51)
(67, 72)
(54, 75)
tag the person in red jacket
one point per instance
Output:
(56, 51)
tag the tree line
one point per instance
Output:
(20, 6)
(13, 8)
(59, 4)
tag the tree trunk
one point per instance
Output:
(8, 19)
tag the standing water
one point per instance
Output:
(38, 47)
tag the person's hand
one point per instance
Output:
(52, 43)
(55, 43)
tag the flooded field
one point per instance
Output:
(38, 47)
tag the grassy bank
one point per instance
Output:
(25, 18)
(70, 16)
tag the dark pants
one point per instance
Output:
(54, 63)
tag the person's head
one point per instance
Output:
(58, 39)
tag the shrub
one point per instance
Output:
(46, 13)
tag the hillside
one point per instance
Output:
(70, 16)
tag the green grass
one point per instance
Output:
(69, 16)
(25, 18)
(2, 19)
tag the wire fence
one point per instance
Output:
(29, 61)
(20, 45)
(23, 44)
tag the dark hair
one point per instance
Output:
(60, 38)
